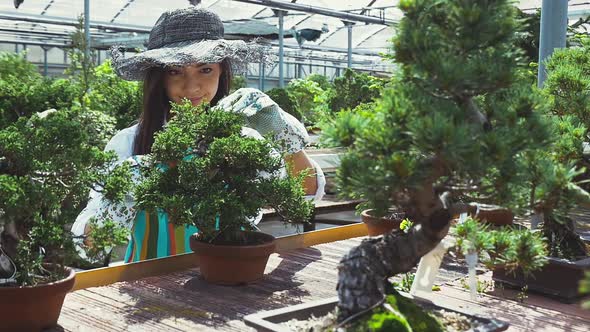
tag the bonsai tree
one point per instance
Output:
(47, 167)
(431, 141)
(206, 170)
(554, 173)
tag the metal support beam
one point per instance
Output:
(553, 33)
(320, 10)
(45, 65)
(349, 27)
(261, 77)
(281, 13)
(87, 28)
(70, 22)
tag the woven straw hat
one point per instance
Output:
(188, 36)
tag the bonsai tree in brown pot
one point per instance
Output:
(47, 167)
(555, 177)
(209, 171)
(430, 142)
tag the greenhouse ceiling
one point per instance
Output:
(50, 22)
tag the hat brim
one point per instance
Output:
(239, 52)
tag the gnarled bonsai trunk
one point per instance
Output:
(363, 272)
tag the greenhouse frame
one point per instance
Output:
(321, 37)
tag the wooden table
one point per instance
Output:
(183, 302)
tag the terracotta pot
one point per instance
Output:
(494, 214)
(233, 264)
(379, 226)
(33, 308)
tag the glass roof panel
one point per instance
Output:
(378, 40)
(336, 5)
(234, 10)
(146, 12)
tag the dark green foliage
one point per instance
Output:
(403, 316)
(47, 166)
(345, 126)
(354, 88)
(508, 248)
(287, 102)
(568, 83)
(528, 39)
(202, 169)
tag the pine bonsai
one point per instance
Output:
(436, 138)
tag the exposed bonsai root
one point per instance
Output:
(363, 272)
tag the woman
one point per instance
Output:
(187, 58)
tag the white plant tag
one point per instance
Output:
(471, 259)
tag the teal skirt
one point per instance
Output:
(154, 236)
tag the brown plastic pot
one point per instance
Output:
(233, 264)
(33, 308)
(493, 214)
(559, 278)
(379, 226)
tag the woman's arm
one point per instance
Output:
(299, 161)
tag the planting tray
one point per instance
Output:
(558, 279)
(270, 321)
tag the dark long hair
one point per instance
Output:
(156, 105)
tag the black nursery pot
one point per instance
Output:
(559, 278)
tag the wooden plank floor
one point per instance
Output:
(183, 302)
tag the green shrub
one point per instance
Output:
(285, 101)
(114, 96)
(354, 88)
(22, 88)
(321, 80)
(312, 99)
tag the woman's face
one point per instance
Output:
(197, 83)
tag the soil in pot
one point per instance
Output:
(379, 226)
(230, 264)
(420, 315)
(33, 308)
